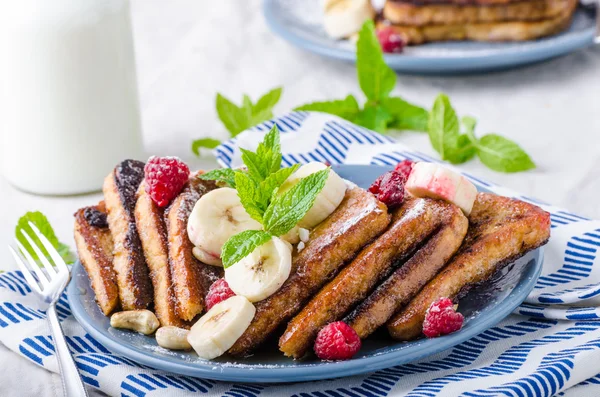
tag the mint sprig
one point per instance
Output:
(258, 190)
(498, 153)
(44, 226)
(239, 118)
(383, 112)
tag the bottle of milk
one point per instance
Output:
(68, 94)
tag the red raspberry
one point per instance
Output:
(218, 292)
(337, 341)
(165, 177)
(441, 319)
(389, 188)
(405, 167)
(390, 40)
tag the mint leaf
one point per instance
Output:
(233, 117)
(375, 78)
(241, 245)
(222, 175)
(288, 209)
(44, 226)
(443, 126)
(255, 164)
(503, 155)
(469, 124)
(346, 108)
(406, 116)
(269, 187)
(249, 194)
(266, 103)
(462, 150)
(269, 151)
(207, 143)
(374, 117)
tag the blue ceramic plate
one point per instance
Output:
(483, 307)
(299, 22)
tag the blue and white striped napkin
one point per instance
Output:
(549, 346)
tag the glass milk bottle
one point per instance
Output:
(68, 102)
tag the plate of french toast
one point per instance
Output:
(439, 36)
(271, 274)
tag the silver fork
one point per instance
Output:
(49, 286)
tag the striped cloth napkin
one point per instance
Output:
(549, 346)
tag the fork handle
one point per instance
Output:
(71, 380)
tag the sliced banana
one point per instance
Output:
(216, 331)
(260, 274)
(327, 200)
(435, 181)
(342, 18)
(216, 217)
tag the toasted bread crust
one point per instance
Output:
(120, 187)
(190, 277)
(413, 223)
(410, 14)
(149, 219)
(487, 31)
(94, 248)
(501, 230)
(404, 284)
(359, 219)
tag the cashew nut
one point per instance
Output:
(173, 338)
(142, 321)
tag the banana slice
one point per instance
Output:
(260, 274)
(327, 200)
(221, 326)
(216, 217)
(342, 18)
(435, 181)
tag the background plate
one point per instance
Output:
(483, 307)
(299, 22)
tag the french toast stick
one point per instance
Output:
(190, 277)
(487, 31)
(120, 188)
(358, 220)
(501, 230)
(94, 248)
(410, 14)
(413, 223)
(408, 279)
(150, 222)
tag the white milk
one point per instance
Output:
(68, 105)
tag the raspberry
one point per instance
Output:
(389, 188)
(337, 341)
(390, 40)
(165, 177)
(405, 167)
(441, 319)
(218, 292)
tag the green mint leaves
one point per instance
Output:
(381, 111)
(258, 190)
(44, 226)
(239, 118)
(241, 245)
(496, 152)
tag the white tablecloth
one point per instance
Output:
(187, 50)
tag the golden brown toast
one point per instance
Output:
(120, 188)
(410, 14)
(358, 220)
(190, 277)
(150, 222)
(488, 31)
(501, 230)
(414, 223)
(94, 248)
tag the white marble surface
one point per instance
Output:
(187, 50)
